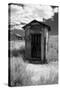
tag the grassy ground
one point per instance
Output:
(24, 73)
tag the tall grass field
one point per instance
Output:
(23, 73)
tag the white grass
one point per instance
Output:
(24, 73)
(17, 44)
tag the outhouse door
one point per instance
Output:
(36, 45)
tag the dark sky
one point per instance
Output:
(53, 24)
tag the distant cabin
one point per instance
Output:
(36, 39)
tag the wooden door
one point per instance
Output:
(36, 45)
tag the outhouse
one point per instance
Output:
(36, 39)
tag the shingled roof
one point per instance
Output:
(37, 22)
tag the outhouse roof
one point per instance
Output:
(35, 22)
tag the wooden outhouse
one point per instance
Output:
(36, 39)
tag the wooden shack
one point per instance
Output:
(36, 39)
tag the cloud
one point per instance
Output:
(30, 12)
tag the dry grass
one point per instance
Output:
(52, 53)
(24, 73)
